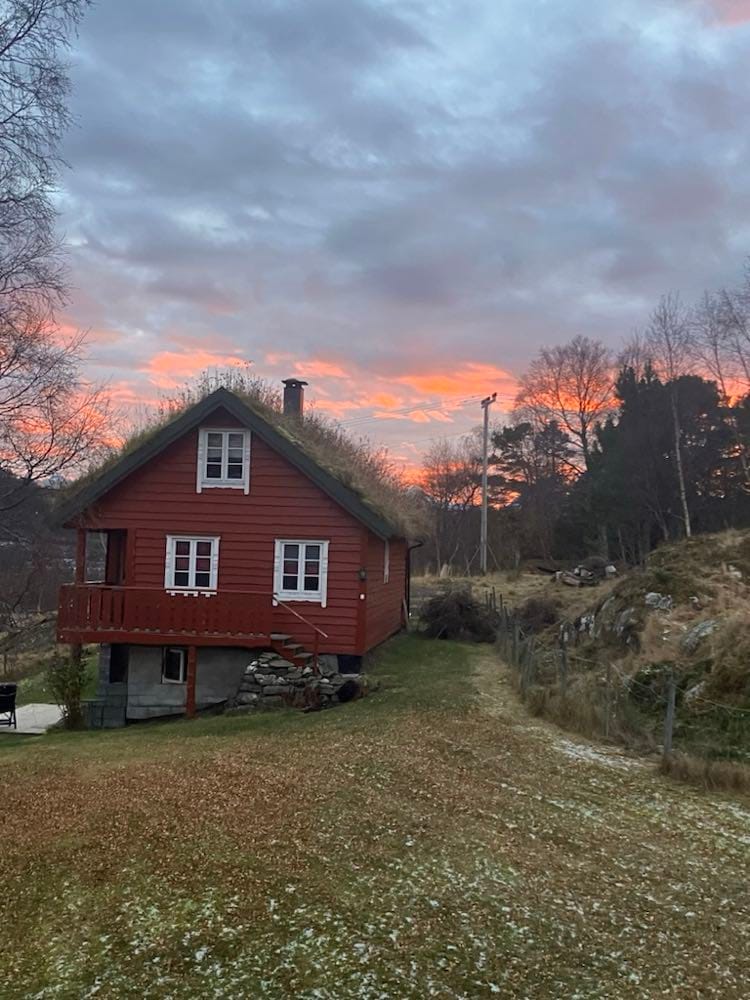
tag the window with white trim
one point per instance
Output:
(386, 561)
(301, 570)
(223, 459)
(191, 563)
(173, 665)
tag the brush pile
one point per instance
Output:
(454, 613)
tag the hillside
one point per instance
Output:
(686, 613)
(689, 610)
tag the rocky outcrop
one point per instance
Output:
(270, 681)
(695, 636)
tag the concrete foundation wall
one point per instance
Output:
(218, 676)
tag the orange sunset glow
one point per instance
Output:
(406, 412)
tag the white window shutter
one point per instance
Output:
(324, 575)
(169, 563)
(215, 564)
(277, 567)
(246, 461)
(201, 460)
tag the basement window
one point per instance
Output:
(223, 459)
(174, 665)
(301, 570)
(191, 563)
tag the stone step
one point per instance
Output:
(279, 663)
(279, 637)
(292, 646)
(303, 656)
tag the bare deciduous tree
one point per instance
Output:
(711, 342)
(50, 419)
(715, 341)
(451, 477)
(734, 312)
(671, 349)
(571, 384)
(34, 114)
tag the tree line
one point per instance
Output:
(608, 453)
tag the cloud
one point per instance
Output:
(464, 380)
(169, 369)
(731, 12)
(397, 200)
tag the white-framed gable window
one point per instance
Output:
(174, 665)
(301, 570)
(386, 561)
(191, 563)
(223, 459)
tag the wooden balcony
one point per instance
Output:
(92, 612)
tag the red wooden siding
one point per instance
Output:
(161, 499)
(384, 614)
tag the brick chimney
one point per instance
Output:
(294, 397)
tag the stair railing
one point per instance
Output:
(317, 632)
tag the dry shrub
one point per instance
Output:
(66, 678)
(538, 613)
(711, 774)
(729, 680)
(583, 709)
(454, 613)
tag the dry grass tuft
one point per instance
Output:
(730, 652)
(713, 775)
(583, 709)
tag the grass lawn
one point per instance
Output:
(428, 841)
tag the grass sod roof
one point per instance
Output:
(339, 484)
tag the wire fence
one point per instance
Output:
(610, 703)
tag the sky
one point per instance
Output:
(400, 201)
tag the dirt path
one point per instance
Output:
(498, 697)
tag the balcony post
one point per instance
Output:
(76, 650)
(190, 692)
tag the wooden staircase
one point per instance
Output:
(293, 652)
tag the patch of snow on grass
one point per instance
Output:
(591, 755)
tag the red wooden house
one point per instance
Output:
(222, 535)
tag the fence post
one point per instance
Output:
(515, 644)
(607, 705)
(527, 665)
(530, 662)
(669, 717)
(563, 666)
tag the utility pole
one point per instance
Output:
(486, 404)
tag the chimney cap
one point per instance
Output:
(293, 382)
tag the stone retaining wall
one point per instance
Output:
(270, 681)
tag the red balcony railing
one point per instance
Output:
(101, 613)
